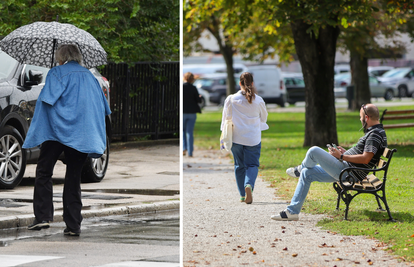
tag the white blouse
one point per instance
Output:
(249, 120)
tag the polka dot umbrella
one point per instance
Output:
(36, 43)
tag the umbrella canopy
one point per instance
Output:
(35, 44)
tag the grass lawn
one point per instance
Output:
(282, 147)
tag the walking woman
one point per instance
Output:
(69, 117)
(249, 115)
(191, 98)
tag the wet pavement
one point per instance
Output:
(140, 178)
(124, 240)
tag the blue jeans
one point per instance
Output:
(189, 120)
(246, 165)
(327, 171)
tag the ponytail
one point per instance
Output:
(246, 81)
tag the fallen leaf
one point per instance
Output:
(254, 252)
(338, 259)
(283, 227)
(285, 248)
(251, 249)
(294, 254)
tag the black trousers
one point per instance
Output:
(43, 191)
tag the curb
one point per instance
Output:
(135, 144)
(26, 219)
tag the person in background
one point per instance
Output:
(69, 118)
(248, 113)
(322, 166)
(191, 98)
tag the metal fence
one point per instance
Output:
(144, 99)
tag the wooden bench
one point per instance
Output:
(349, 187)
(397, 115)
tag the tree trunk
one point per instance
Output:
(227, 52)
(360, 80)
(317, 58)
(226, 49)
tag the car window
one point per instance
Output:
(28, 68)
(410, 74)
(203, 82)
(7, 65)
(299, 81)
(373, 80)
(288, 81)
(396, 73)
(222, 82)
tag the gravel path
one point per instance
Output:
(219, 230)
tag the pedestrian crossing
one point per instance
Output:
(16, 260)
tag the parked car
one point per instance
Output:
(343, 80)
(20, 85)
(216, 85)
(295, 87)
(379, 70)
(400, 78)
(269, 83)
(201, 69)
(341, 68)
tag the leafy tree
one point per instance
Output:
(361, 39)
(252, 43)
(315, 27)
(128, 30)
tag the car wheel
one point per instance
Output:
(389, 94)
(402, 91)
(94, 169)
(203, 102)
(292, 103)
(12, 157)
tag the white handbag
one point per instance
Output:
(226, 138)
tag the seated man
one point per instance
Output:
(322, 166)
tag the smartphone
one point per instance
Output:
(335, 146)
(328, 145)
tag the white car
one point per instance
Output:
(379, 70)
(343, 80)
(269, 83)
(400, 78)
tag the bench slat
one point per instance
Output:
(401, 117)
(386, 153)
(402, 125)
(407, 111)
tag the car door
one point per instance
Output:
(410, 82)
(267, 83)
(375, 87)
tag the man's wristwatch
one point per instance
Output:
(342, 157)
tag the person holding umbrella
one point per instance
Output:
(69, 118)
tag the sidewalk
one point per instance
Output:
(219, 230)
(141, 177)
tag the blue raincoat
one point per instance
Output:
(70, 109)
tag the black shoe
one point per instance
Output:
(38, 225)
(69, 232)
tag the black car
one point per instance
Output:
(295, 87)
(20, 85)
(216, 85)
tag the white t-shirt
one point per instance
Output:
(249, 120)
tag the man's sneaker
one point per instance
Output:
(249, 194)
(285, 216)
(294, 171)
(69, 232)
(38, 225)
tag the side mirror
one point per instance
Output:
(35, 77)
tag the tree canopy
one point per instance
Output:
(128, 30)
